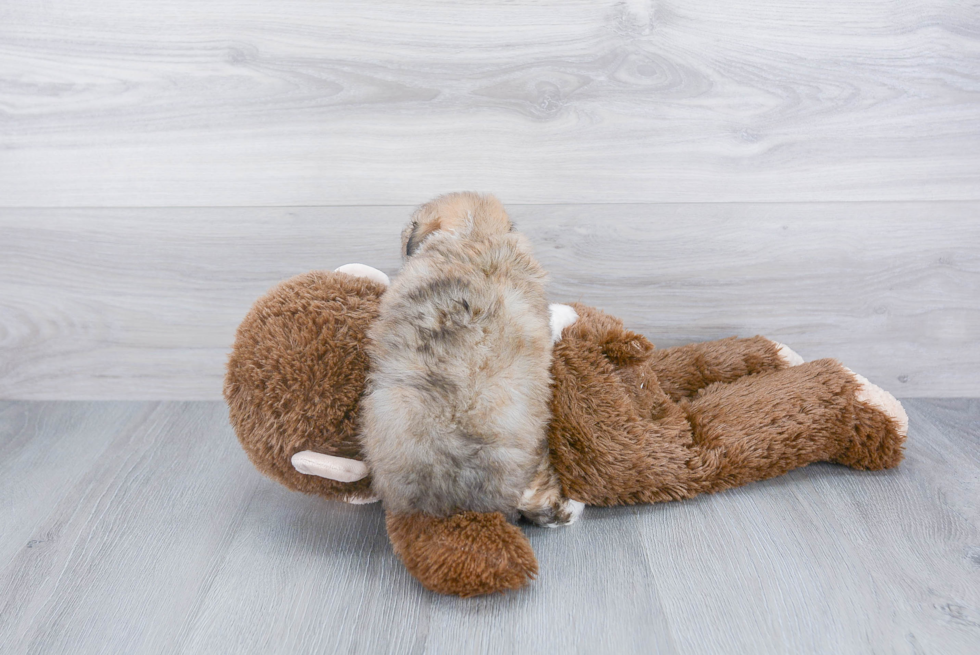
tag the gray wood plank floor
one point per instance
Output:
(143, 304)
(139, 527)
(252, 102)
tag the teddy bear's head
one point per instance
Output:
(294, 383)
(295, 379)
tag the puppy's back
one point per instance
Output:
(457, 403)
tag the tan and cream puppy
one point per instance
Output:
(457, 403)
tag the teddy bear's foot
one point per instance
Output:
(787, 355)
(881, 426)
(877, 397)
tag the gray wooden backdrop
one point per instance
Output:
(809, 171)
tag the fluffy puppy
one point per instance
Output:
(457, 402)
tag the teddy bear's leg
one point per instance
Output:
(763, 426)
(684, 370)
(467, 554)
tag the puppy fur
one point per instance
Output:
(456, 411)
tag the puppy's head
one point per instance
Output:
(466, 214)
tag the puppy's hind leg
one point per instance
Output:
(543, 503)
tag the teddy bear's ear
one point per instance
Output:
(338, 469)
(624, 347)
(365, 271)
(341, 469)
(466, 554)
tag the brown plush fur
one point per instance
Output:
(685, 370)
(466, 554)
(296, 374)
(631, 424)
(617, 438)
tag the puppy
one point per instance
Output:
(457, 402)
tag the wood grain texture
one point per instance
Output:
(250, 102)
(164, 539)
(143, 304)
(810, 563)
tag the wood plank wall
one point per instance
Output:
(701, 168)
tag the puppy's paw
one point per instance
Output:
(573, 511)
(563, 511)
(787, 355)
(880, 399)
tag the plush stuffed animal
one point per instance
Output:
(631, 423)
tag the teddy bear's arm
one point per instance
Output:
(684, 370)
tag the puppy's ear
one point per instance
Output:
(410, 239)
(466, 214)
(425, 221)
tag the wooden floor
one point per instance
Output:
(140, 527)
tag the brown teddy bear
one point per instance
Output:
(631, 424)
